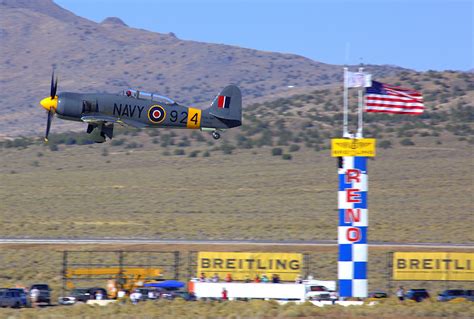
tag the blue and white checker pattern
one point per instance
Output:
(352, 262)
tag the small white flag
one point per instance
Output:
(358, 79)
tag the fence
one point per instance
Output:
(98, 266)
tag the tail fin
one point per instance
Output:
(228, 105)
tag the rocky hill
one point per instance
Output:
(38, 35)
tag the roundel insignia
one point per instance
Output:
(156, 114)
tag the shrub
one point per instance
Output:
(294, 148)
(179, 152)
(70, 141)
(206, 154)
(227, 148)
(117, 142)
(385, 144)
(277, 151)
(193, 154)
(407, 142)
(133, 145)
(53, 147)
(287, 157)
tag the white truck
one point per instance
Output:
(308, 290)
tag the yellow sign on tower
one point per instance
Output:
(353, 147)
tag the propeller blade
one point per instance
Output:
(52, 91)
(55, 87)
(48, 125)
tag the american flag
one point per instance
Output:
(386, 98)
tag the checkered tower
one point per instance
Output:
(353, 224)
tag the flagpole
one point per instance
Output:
(360, 110)
(345, 132)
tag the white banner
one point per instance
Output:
(358, 79)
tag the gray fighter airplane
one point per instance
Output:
(141, 110)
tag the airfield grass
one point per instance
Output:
(420, 193)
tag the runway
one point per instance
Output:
(148, 241)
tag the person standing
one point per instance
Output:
(334, 296)
(151, 295)
(34, 295)
(121, 295)
(228, 278)
(99, 295)
(224, 294)
(400, 293)
(135, 297)
(215, 278)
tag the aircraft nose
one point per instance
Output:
(47, 103)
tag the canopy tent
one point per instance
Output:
(167, 284)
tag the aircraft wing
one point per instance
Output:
(100, 118)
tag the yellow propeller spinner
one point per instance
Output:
(50, 104)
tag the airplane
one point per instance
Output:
(141, 110)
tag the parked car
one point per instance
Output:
(84, 294)
(318, 293)
(11, 298)
(44, 294)
(378, 294)
(417, 294)
(184, 295)
(451, 294)
(66, 301)
(80, 294)
(146, 290)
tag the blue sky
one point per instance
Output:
(418, 34)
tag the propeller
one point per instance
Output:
(50, 104)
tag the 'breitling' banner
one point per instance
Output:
(341, 147)
(243, 265)
(433, 266)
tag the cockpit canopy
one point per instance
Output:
(148, 96)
